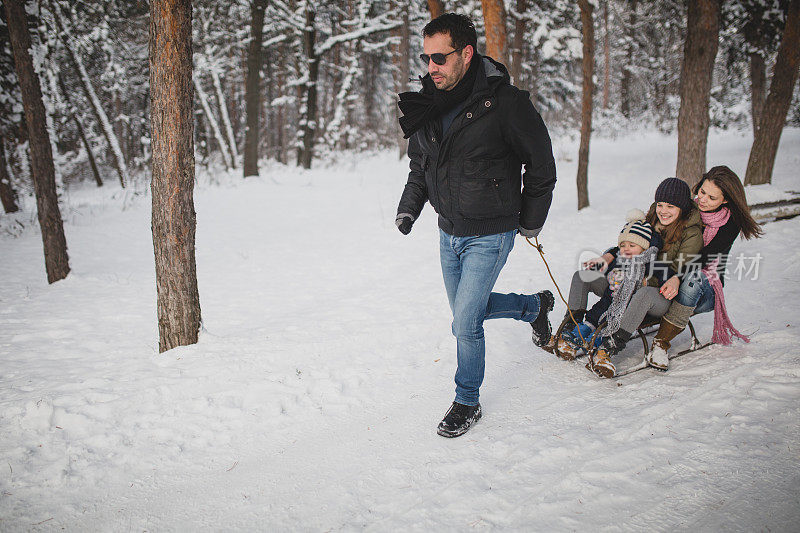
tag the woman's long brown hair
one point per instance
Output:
(733, 193)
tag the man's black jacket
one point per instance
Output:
(472, 174)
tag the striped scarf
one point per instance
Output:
(723, 327)
(634, 269)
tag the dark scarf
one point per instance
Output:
(420, 107)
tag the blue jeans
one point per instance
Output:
(470, 266)
(696, 291)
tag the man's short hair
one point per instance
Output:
(460, 27)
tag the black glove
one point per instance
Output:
(404, 221)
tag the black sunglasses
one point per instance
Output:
(438, 58)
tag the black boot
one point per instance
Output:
(542, 330)
(616, 342)
(459, 419)
(569, 322)
(577, 314)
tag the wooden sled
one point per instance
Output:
(648, 326)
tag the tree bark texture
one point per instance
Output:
(494, 21)
(56, 260)
(758, 88)
(699, 53)
(436, 7)
(309, 117)
(781, 88)
(8, 196)
(173, 216)
(625, 82)
(587, 65)
(253, 87)
(517, 54)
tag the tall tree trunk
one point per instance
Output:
(781, 88)
(402, 70)
(533, 83)
(253, 87)
(517, 54)
(337, 129)
(91, 95)
(308, 115)
(56, 260)
(119, 125)
(587, 65)
(272, 91)
(436, 7)
(282, 112)
(233, 90)
(8, 195)
(89, 152)
(349, 57)
(81, 132)
(173, 217)
(606, 57)
(699, 52)
(212, 122)
(625, 82)
(494, 20)
(226, 119)
(758, 88)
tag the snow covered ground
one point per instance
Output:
(326, 362)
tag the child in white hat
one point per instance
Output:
(638, 247)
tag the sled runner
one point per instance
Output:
(647, 327)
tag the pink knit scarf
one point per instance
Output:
(723, 327)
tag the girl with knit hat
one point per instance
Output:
(674, 216)
(638, 247)
(723, 208)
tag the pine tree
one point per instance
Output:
(768, 134)
(699, 54)
(494, 17)
(587, 22)
(173, 215)
(253, 95)
(56, 259)
(436, 8)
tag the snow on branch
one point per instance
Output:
(356, 34)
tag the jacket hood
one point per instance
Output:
(495, 69)
(490, 75)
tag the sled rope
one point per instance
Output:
(540, 249)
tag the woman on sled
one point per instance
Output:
(676, 219)
(723, 208)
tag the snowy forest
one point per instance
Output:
(320, 78)
(246, 155)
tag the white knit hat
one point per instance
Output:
(636, 230)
